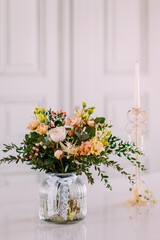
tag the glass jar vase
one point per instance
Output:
(62, 198)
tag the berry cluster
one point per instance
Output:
(57, 118)
(35, 150)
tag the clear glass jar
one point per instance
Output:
(62, 198)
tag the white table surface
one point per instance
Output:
(108, 218)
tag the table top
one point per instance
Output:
(108, 218)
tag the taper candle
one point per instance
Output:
(136, 90)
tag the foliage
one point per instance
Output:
(56, 145)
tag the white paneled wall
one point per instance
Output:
(58, 53)
(22, 37)
(125, 35)
(29, 62)
(109, 37)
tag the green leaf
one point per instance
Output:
(100, 120)
(47, 141)
(77, 134)
(82, 136)
(91, 131)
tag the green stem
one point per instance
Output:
(62, 165)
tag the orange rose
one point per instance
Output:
(33, 124)
(42, 129)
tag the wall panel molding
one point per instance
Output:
(15, 114)
(21, 105)
(30, 58)
(125, 43)
(66, 48)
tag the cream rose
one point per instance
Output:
(33, 124)
(58, 154)
(57, 134)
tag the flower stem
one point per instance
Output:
(62, 165)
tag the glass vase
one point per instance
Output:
(62, 199)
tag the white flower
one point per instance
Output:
(58, 154)
(69, 148)
(57, 134)
(78, 112)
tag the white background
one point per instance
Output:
(58, 53)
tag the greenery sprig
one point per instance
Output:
(56, 144)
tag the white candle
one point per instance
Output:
(136, 90)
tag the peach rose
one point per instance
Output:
(90, 123)
(42, 129)
(57, 134)
(58, 154)
(73, 121)
(85, 148)
(33, 124)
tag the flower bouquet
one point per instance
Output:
(65, 148)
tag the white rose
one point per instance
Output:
(57, 134)
(58, 154)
